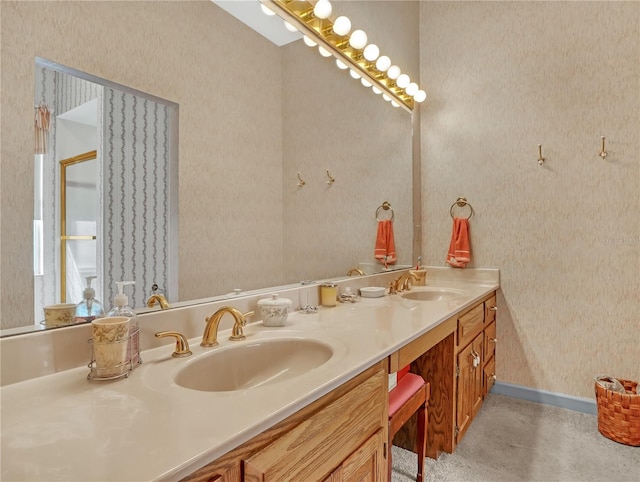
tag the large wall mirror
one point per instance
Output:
(264, 114)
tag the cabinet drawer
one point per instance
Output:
(490, 310)
(311, 450)
(489, 376)
(489, 341)
(470, 324)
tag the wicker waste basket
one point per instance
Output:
(619, 413)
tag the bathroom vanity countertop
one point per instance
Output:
(145, 427)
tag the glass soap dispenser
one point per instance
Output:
(121, 308)
(89, 308)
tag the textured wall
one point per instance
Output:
(136, 182)
(502, 78)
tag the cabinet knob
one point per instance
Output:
(493, 340)
(493, 308)
(492, 376)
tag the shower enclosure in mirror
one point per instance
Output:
(78, 221)
(107, 198)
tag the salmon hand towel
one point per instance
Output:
(385, 250)
(460, 248)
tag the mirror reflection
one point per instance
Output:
(110, 218)
(78, 220)
(245, 133)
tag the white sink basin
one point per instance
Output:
(253, 364)
(433, 294)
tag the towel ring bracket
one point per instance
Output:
(386, 206)
(462, 202)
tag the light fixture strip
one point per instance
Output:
(320, 30)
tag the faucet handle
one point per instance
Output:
(393, 287)
(236, 332)
(182, 345)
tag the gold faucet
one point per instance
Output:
(210, 336)
(182, 345)
(353, 271)
(151, 301)
(403, 282)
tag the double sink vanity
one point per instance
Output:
(307, 401)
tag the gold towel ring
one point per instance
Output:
(461, 202)
(386, 206)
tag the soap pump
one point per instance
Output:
(89, 308)
(121, 308)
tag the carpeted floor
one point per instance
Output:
(514, 440)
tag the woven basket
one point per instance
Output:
(619, 413)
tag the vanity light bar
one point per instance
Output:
(301, 14)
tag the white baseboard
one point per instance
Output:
(578, 404)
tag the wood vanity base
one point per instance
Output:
(457, 358)
(339, 436)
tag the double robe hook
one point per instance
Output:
(302, 182)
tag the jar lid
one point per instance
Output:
(328, 284)
(274, 301)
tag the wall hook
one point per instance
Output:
(540, 158)
(300, 181)
(331, 179)
(603, 153)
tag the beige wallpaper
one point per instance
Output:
(502, 78)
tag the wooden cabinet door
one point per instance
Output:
(367, 463)
(228, 472)
(469, 386)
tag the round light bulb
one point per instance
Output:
(342, 25)
(383, 63)
(412, 89)
(403, 81)
(267, 11)
(308, 41)
(394, 103)
(358, 39)
(341, 65)
(365, 82)
(386, 97)
(376, 90)
(354, 74)
(371, 52)
(420, 96)
(393, 72)
(289, 27)
(324, 52)
(322, 9)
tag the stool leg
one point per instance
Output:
(389, 459)
(421, 440)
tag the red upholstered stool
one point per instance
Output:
(410, 395)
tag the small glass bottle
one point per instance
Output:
(89, 308)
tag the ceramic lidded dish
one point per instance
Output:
(274, 310)
(372, 292)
